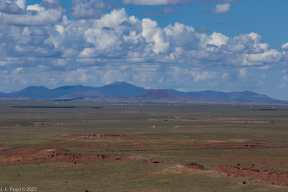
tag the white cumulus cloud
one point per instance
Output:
(220, 8)
(13, 7)
(87, 9)
(117, 46)
(49, 17)
(243, 72)
(16, 13)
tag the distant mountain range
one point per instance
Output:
(125, 92)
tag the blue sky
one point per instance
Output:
(223, 45)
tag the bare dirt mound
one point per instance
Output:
(175, 169)
(195, 166)
(29, 155)
(39, 155)
(260, 174)
(179, 168)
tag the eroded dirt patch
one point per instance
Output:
(39, 155)
(29, 155)
(180, 169)
(3, 148)
(215, 141)
(259, 174)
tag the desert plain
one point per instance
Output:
(87, 147)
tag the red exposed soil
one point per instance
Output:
(42, 154)
(2, 148)
(28, 155)
(215, 141)
(263, 174)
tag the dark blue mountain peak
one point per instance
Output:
(120, 83)
(35, 87)
(249, 93)
(121, 89)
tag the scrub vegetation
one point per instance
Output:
(72, 146)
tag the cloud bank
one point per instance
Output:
(40, 46)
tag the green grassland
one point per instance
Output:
(178, 127)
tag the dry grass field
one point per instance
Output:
(78, 147)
